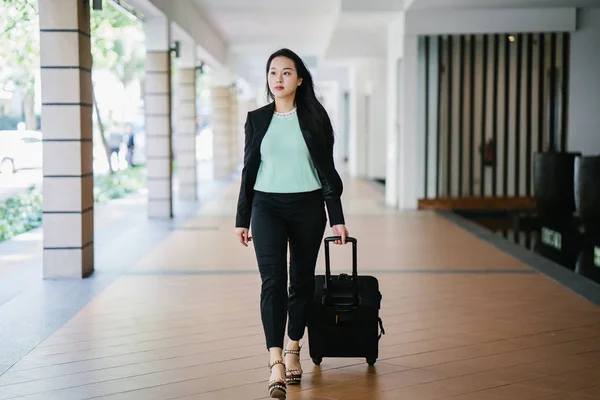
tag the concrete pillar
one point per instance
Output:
(360, 118)
(68, 205)
(394, 124)
(410, 141)
(159, 155)
(224, 138)
(234, 158)
(185, 126)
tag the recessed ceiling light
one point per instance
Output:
(511, 38)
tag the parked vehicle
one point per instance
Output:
(20, 149)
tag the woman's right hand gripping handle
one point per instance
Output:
(243, 235)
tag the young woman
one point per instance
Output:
(288, 176)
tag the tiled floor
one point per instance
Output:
(464, 321)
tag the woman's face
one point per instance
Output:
(283, 77)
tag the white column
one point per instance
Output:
(367, 122)
(224, 106)
(233, 137)
(410, 145)
(355, 121)
(378, 115)
(159, 156)
(394, 65)
(185, 128)
(66, 62)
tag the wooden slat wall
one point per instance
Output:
(491, 89)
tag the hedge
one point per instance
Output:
(23, 212)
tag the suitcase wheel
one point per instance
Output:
(317, 360)
(371, 361)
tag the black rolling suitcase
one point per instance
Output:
(344, 319)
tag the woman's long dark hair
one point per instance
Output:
(311, 113)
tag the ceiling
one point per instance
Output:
(359, 35)
(333, 30)
(304, 26)
(374, 5)
(312, 28)
(443, 4)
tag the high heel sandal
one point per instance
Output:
(277, 387)
(293, 376)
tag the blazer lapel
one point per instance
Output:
(263, 123)
(307, 138)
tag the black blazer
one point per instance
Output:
(321, 152)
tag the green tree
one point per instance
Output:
(114, 45)
(117, 45)
(107, 27)
(20, 50)
(131, 61)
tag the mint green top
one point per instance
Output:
(285, 163)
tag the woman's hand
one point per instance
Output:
(340, 230)
(243, 235)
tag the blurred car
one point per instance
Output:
(20, 149)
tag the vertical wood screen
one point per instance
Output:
(491, 101)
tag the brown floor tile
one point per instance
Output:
(567, 396)
(475, 396)
(591, 392)
(426, 391)
(565, 382)
(519, 391)
(181, 327)
(398, 380)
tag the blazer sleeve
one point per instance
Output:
(244, 208)
(333, 189)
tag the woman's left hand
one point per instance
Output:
(340, 230)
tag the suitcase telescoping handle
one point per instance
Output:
(349, 239)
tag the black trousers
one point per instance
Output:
(279, 218)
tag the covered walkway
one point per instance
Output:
(464, 319)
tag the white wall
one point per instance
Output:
(584, 94)
(368, 115)
(458, 21)
(328, 92)
(349, 43)
(379, 88)
(158, 34)
(324, 77)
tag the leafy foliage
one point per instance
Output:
(19, 47)
(119, 184)
(117, 43)
(20, 213)
(23, 212)
(111, 31)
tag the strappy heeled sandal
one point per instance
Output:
(277, 387)
(293, 376)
